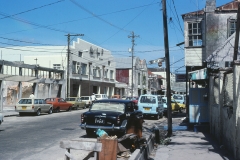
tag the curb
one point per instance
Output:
(144, 152)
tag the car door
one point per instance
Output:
(81, 103)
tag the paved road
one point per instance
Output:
(38, 137)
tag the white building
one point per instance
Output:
(91, 68)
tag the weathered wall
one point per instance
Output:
(225, 120)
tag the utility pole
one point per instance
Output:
(68, 61)
(132, 51)
(166, 46)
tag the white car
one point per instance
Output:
(1, 118)
(87, 99)
(101, 96)
(29, 105)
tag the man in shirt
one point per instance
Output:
(31, 95)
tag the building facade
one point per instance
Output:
(89, 68)
(136, 79)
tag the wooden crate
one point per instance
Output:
(109, 149)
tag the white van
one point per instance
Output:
(151, 105)
(101, 96)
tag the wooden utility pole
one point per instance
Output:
(166, 46)
(68, 62)
(132, 51)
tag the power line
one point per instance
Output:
(32, 9)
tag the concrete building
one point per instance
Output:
(124, 75)
(91, 68)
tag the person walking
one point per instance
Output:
(93, 97)
(31, 95)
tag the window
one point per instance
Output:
(232, 23)
(94, 72)
(79, 54)
(111, 74)
(106, 73)
(56, 66)
(195, 34)
(109, 63)
(84, 69)
(139, 78)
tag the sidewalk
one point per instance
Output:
(9, 111)
(189, 145)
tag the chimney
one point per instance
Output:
(211, 5)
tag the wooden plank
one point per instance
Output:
(85, 139)
(109, 149)
(88, 146)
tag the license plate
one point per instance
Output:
(99, 120)
(147, 109)
(24, 107)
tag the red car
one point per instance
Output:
(134, 99)
(59, 104)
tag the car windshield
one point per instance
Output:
(25, 101)
(98, 96)
(70, 99)
(178, 97)
(85, 98)
(148, 99)
(164, 100)
(50, 99)
(116, 107)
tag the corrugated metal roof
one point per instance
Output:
(124, 62)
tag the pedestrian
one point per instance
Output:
(31, 95)
(93, 97)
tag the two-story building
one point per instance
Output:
(89, 68)
(136, 79)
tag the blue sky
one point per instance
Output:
(106, 23)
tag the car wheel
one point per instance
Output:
(157, 117)
(50, 111)
(161, 115)
(38, 112)
(70, 108)
(180, 110)
(57, 110)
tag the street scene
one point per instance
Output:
(124, 80)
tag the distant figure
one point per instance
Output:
(93, 97)
(31, 95)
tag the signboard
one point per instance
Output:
(181, 78)
(198, 74)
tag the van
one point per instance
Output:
(101, 96)
(151, 105)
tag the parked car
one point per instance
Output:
(175, 105)
(29, 105)
(116, 97)
(59, 104)
(87, 100)
(134, 99)
(1, 118)
(109, 115)
(151, 105)
(179, 98)
(101, 96)
(77, 102)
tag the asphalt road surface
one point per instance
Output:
(38, 137)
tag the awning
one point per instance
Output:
(198, 74)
